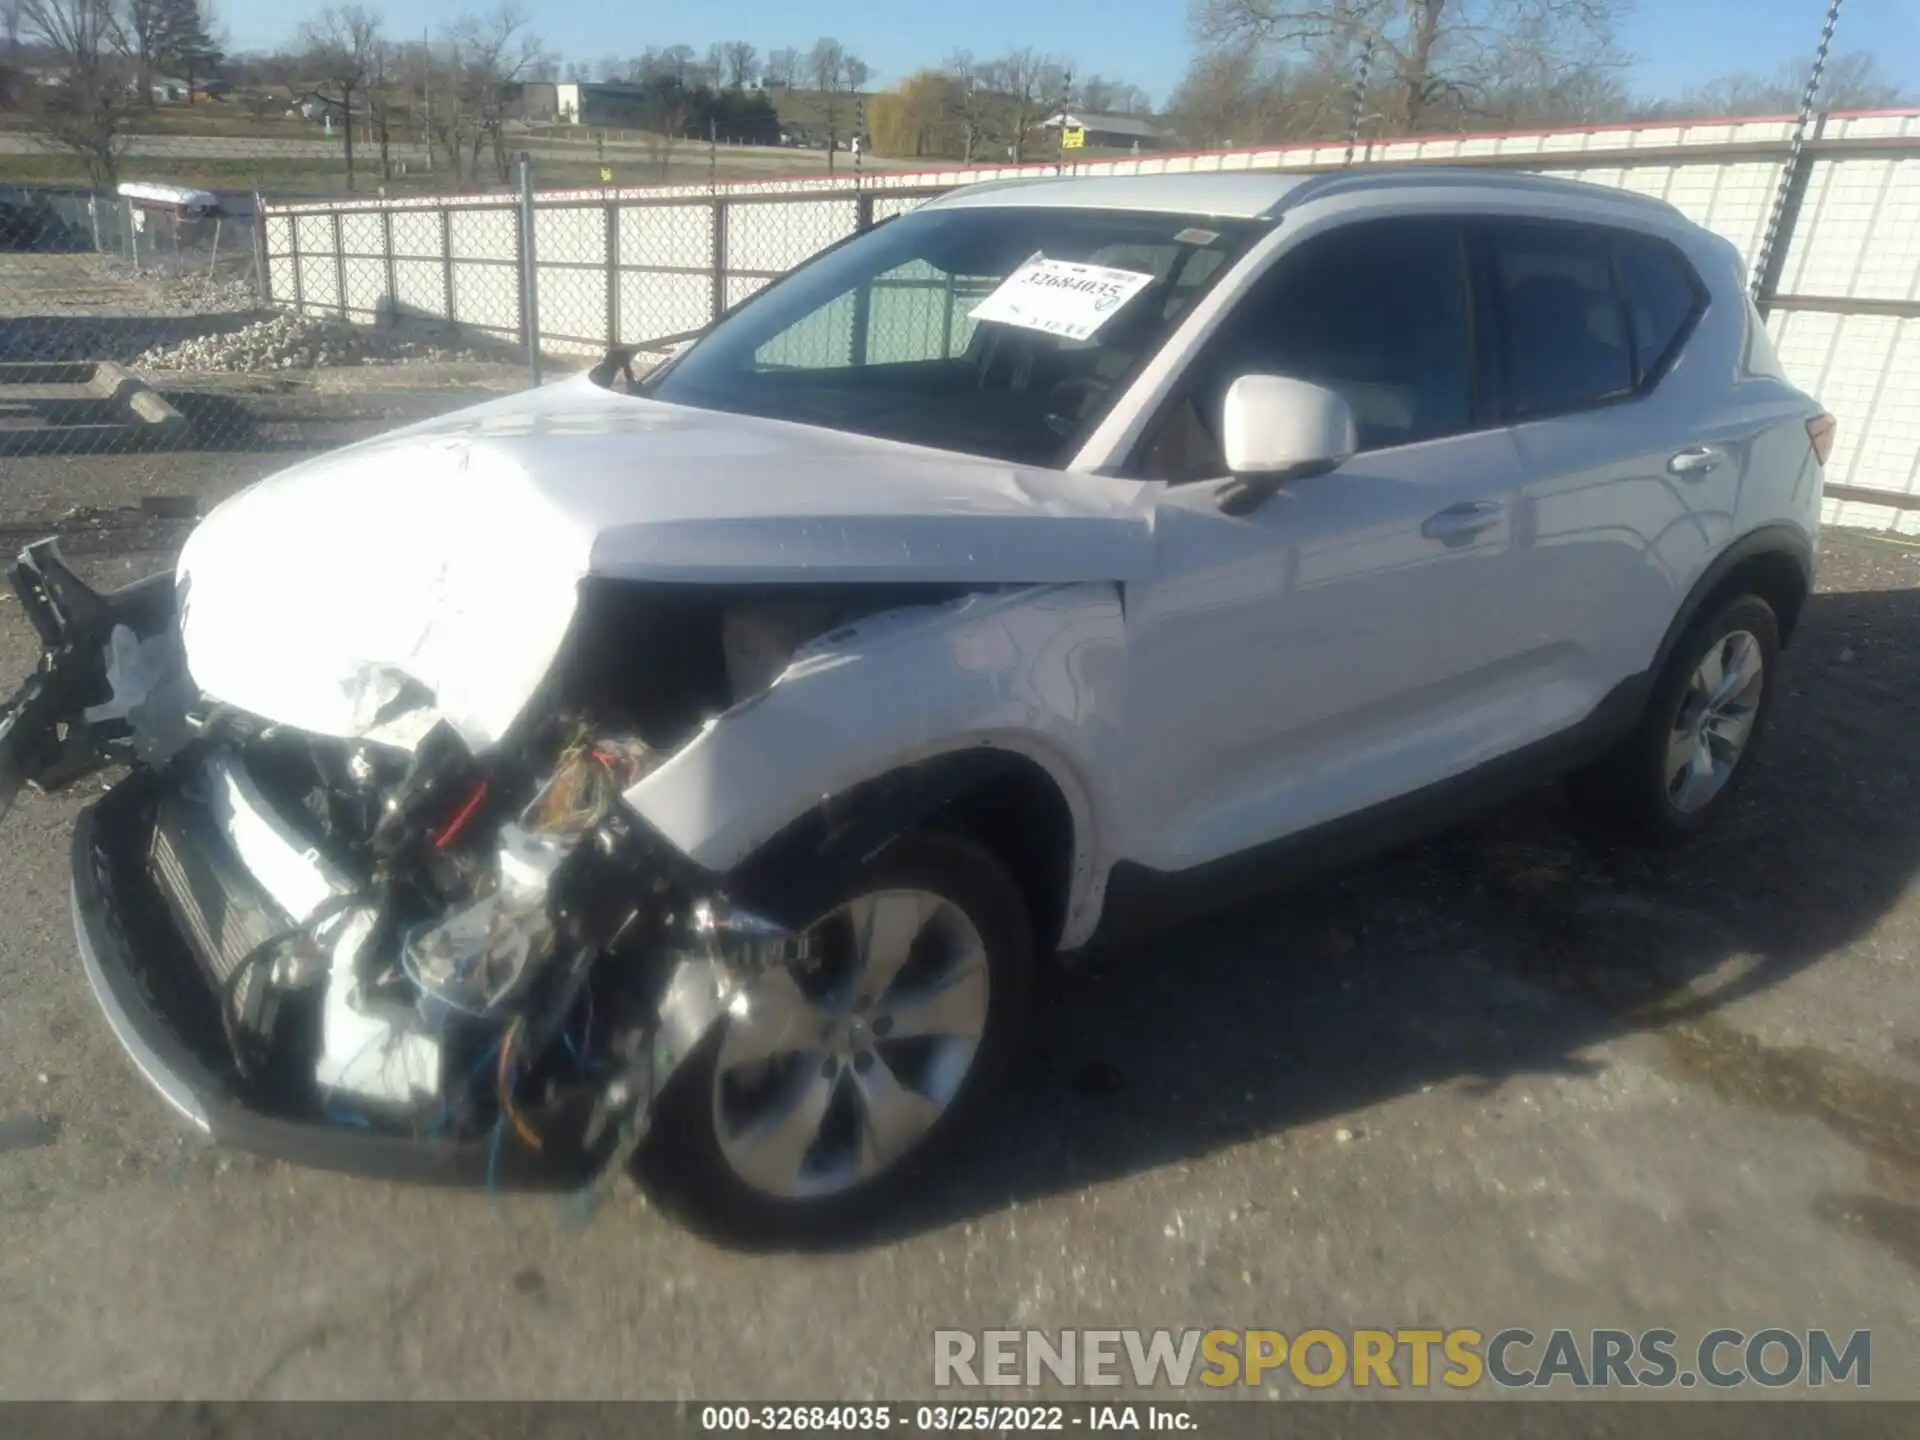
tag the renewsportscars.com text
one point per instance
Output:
(1512, 1358)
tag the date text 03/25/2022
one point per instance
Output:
(942, 1419)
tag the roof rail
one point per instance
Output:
(1431, 175)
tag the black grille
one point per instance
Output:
(220, 909)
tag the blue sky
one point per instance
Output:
(1678, 41)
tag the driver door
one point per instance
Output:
(1357, 636)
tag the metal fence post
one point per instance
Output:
(529, 270)
(393, 270)
(613, 275)
(1771, 263)
(262, 268)
(1793, 177)
(339, 267)
(719, 258)
(133, 239)
(446, 259)
(293, 252)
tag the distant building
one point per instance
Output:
(1110, 132)
(581, 102)
(318, 108)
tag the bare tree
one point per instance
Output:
(783, 67)
(1439, 58)
(742, 63)
(676, 63)
(972, 99)
(672, 106)
(492, 56)
(86, 112)
(1028, 81)
(826, 67)
(609, 68)
(1851, 81)
(144, 35)
(343, 47)
(855, 73)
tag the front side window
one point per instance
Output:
(878, 336)
(1377, 312)
(1561, 336)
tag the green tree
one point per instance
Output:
(184, 42)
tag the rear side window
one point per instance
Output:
(1663, 298)
(1561, 333)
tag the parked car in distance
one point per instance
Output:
(695, 769)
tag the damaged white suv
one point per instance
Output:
(716, 755)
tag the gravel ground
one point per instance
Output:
(1501, 1078)
(95, 307)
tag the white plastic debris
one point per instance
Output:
(134, 668)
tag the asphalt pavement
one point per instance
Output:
(1502, 1078)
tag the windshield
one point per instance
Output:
(880, 337)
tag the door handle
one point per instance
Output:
(1459, 523)
(1695, 460)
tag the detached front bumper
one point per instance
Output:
(153, 1001)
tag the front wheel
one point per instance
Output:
(811, 1105)
(1694, 745)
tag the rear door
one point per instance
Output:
(1626, 481)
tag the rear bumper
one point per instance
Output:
(121, 960)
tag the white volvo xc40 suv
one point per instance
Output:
(696, 766)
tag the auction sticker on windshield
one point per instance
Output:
(1061, 297)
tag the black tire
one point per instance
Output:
(684, 1168)
(1627, 794)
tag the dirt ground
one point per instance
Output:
(1501, 1078)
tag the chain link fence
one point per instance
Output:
(148, 333)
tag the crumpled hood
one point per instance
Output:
(451, 552)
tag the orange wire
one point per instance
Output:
(520, 1126)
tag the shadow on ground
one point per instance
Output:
(1507, 948)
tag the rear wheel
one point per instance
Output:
(1694, 744)
(807, 1111)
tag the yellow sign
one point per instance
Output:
(606, 174)
(1074, 139)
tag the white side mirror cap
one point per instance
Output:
(1276, 425)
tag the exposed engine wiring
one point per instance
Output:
(459, 821)
(265, 950)
(509, 1047)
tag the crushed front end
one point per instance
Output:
(384, 954)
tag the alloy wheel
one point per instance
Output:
(830, 1073)
(1714, 720)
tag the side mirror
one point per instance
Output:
(1274, 429)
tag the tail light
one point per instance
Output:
(1820, 430)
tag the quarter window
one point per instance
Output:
(1662, 296)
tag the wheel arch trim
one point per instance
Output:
(1778, 539)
